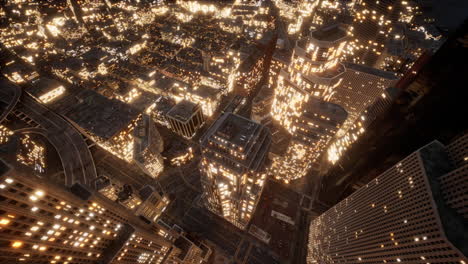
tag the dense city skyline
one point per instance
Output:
(240, 131)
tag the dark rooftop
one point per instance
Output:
(330, 33)
(265, 92)
(146, 192)
(163, 82)
(280, 138)
(436, 164)
(283, 55)
(164, 104)
(94, 54)
(237, 129)
(184, 245)
(3, 167)
(370, 70)
(114, 115)
(42, 86)
(335, 112)
(205, 91)
(183, 111)
(240, 134)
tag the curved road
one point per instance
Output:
(4, 97)
(73, 151)
(77, 161)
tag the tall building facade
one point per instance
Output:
(408, 214)
(356, 125)
(234, 150)
(361, 87)
(365, 93)
(385, 34)
(314, 71)
(252, 70)
(300, 101)
(41, 222)
(261, 105)
(280, 60)
(318, 124)
(148, 145)
(455, 183)
(374, 27)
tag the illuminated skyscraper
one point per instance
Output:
(382, 32)
(252, 69)
(300, 102)
(455, 183)
(329, 11)
(233, 155)
(361, 87)
(314, 71)
(374, 25)
(312, 134)
(354, 126)
(148, 145)
(46, 223)
(319, 123)
(280, 60)
(315, 63)
(301, 10)
(261, 105)
(412, 213)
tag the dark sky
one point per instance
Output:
(450, 13)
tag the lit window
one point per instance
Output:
(4, 221)
(16, 244)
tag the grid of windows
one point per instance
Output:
(454, 189)
(232, 167)
(391, 219)
(458, 151)
(361, 86)
(455, 184)
(46, 224)
(300, 102)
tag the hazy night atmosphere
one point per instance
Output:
(233, 131)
